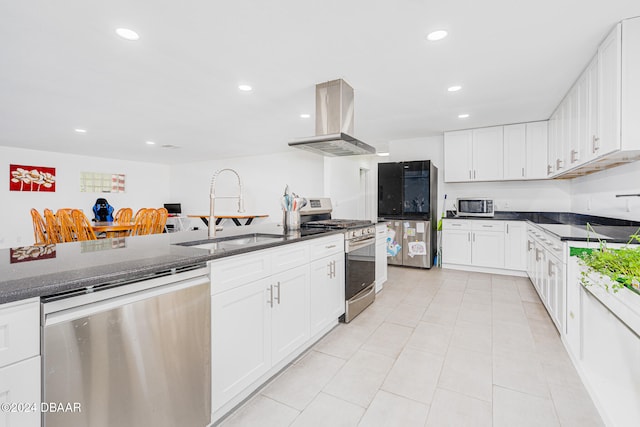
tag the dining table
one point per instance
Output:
(235, 218)
(112, 229)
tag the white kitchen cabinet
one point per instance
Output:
(525, 151)
(241, 339)
(487, 244)
(381, 255)
(20, 384)
(555, 291)
(515, 151)
(327, 302)
(458, 157)
(289, 300)
(19, 331)
(515, 253)
(488, 154)
(456, 242)
(537, 134)
(589, 143)
(609, 92)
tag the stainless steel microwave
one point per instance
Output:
(475, 207)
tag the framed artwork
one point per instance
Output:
(96, 182)
(31, 253)
(32, 178)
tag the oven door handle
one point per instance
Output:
(358, 244)
(372, 289)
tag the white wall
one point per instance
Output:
(595, 194)
(147, 185)
(544, 195)
(263, 177)
(342, 182)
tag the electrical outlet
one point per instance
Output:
(589, 203)
(506, 205)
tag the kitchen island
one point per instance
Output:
(300, 272)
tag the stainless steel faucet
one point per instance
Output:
(212, 219)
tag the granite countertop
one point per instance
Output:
(38, 271)
(570, 226)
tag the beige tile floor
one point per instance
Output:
(437, 348)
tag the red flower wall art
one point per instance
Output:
(31, 178)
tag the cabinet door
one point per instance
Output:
(515, 151)
(20, 384)
(609, 84)
(571, 154)
(554, 142)
(555, 292)
(537, 135)
(564, 132)
(488, 153)
(590, 147)
(326, 294)
(290, 314)
(381, 264)
(240, 339)
(389, 189)
(457, 156)
(456, 247)
(487, 249)
(515, 246)
(531, 257)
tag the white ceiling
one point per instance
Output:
(62, 67)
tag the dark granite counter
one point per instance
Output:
(570, 226)
(38, 271)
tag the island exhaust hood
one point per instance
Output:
(334, 123)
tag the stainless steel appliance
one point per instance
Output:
(478, 206)
(408, 200)
(360, 259)
(409, 243)
(130, 355)
(334, 123)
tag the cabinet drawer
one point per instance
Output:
(19, 331)
(326, 246)
(228, 273)
(456, 224)
(381, 232)
(20, 384)
(289, 256)
(487, 225)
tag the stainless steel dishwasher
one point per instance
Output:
(130, 354)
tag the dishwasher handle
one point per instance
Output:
(76, 307)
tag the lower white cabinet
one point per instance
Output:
(241, 339)
(381, 255)
(487, 248)
(478, 243)
(456, 243)
(290, 295)
(326, 302)
(515, 240)
(20, 385)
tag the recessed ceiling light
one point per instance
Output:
(245, 88)
(454, 88)
(305, 116)
(437, 35)
(382, 154)
(463, 116)
(127, 34)
(151, 143)
(81, 130)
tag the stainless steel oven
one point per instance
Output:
(360, 272)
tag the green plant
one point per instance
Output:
(622, 265)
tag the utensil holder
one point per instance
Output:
(291, 220)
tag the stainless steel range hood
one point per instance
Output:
(334, 123)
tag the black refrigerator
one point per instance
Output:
(408, 202)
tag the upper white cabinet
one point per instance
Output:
(488, 153)
(595, 126)
(525, 151)
(458, 159)
(497, 153)
(473, 155)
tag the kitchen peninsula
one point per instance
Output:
(148, 275)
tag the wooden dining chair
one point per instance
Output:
(67, 227)
(83, 226)
(161, 220)
(143, 222)
(123, 215)
(39, 228)
(52, 226)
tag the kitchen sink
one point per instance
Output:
(234, 242)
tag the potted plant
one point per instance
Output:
(621, 266)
